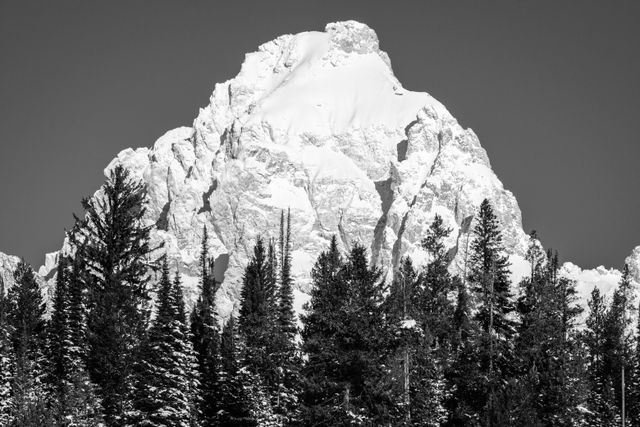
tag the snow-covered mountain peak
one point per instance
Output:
(354, 37)
(314, 84)
(317, 122)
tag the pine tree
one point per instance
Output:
(206, 338)
(429, 390)
(602, 410)
(594, 338)
(347, 345)
(82, 405)
(407, 336)
(258, 315)
(286, 356)
(76, 402)
(7, 362)
(26, 312)
(421, 312)
(416, 363)
(286, 314)
(618, 337)
(462, 322)
(25, 317)
(271, 279)
(245, 398)
(634, 383)
(568, 385)
(364, 342)
(489, 279)
(322, 396)
(255, 299)
(115, 250)
(435, 289)
(188, 359)
(550, 378)
(234, 408)
(608, 341)
(76, 317)
(464, 375)
(57, 328)
(164, 394)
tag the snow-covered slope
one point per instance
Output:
(317, 122)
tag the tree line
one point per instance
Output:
(428, 349)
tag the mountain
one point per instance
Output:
(318, 123)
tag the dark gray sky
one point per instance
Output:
(551, 88)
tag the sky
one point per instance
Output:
(551, 89)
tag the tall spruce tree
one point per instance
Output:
(25, 316)
(416, 365)
(346, 339)
(619, 337)
(568, 388)
(234, 405)
(82, 403)
(57, 328)
(76, 401)
(258, 315)
(436, 289)
(363, 341)
(206, 338)
(322, 396)
(114, 246)
(608, 339)
(286, 357)
(271, 280)
(255, 304)
(550, 371)
(231, 405)
(634, 382)
(190, 368)
(164, 388)
(436, 286)
(401, 314)
(7, 362)
(601, 400)
(489, 280)
(245, 398)
(422, 313)
(465, 375)
(286, 314)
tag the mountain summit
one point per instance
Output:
(317, 122)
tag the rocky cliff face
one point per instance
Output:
(317, 122)
(8, 264)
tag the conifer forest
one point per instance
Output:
(121, 348)
(319, 214)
